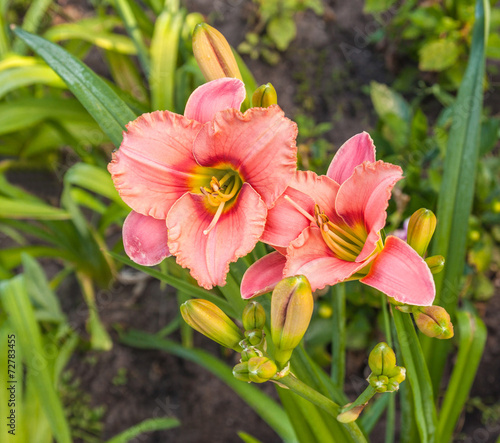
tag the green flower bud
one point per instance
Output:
(211, 321)
(382, 359)
(435, 263)
(264, 96)
(254, 336)
(421, 229)
(397, 375)
(250, 352)
(291, 310)
(213, 53)
(254, 316)
(240, 372)
(261, 369)
(433, 321)
(378, 382)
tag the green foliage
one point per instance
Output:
(436, 34)
(277, 19)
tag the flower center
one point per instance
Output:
(345, 242)
(220, 192)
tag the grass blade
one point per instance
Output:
(15, 301)
(418, 376)
(108, 110)
(130, 22)
(150, 425)
(15, 78)
(30, 209)
(472, 338)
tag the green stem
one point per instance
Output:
(338, 338)
(363, 398)
(387, 320)
(391, 419)
(332, 408)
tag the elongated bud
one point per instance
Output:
(382, 359)
(351, 415)
(213, 53)
(421, 229)
(264, 96)
(211, 321)
(435, 263)
(254, 316)
(261, 369)
(433, 321)
(291, 310)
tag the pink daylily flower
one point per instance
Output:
(328, 229)
(200, 185)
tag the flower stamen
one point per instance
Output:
(215, 219)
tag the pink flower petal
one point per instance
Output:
(151, 168)
(285, 222)
(235, 234)
(263, 275)
(214, 96)
(353, 152)
(260, 144)
(363, 198)
(310, 256)
(145, 239)
(401, 273)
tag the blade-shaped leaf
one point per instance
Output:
(472, 338)
(15, 301)
(93, 93)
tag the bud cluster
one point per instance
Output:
(291, 311)
(385, 376)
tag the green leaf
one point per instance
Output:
(39, 291)
(267, 408)
(101, 102)
(247, 438)
(102, 39)
(23, 113)
(457, 188)
(164, 54)
(493, 48)
(15, 301)
(31, 20)
(30, 209)
(418, 376)
(149, 425)
(386, 101)
(374, 6)
(127, 15)
(94, 179)
(282, 31)
(438, 55)
(472, 338)
(15, 78)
